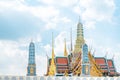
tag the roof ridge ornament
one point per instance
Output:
(106, 55)
(113, 57)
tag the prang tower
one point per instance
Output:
(31, 69)
(80, 38)
(79, 43)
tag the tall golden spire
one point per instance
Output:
(52, 68)
(80, 37)
(65, 50)
(52, 48)
(71, 39)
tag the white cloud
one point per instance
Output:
(45, 13)
(63, 3)
(12, 5)
(53, 23)
(92, 11)
(90, 24)
(50, 15)
(13, 60)
(47, 48)
(65, 20)
(50, 25)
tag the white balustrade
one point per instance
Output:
(55, 78)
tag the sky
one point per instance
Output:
(23, 21)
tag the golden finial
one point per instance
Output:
(65, 50)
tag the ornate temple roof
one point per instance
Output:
(106, 65)
(102, 62)
(61, 61)
(72, 61)
(110, 63)
(62, 64)
(111, 67)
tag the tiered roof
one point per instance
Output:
(62, 64)
(102, 62)
(106, 65)
(111, 67)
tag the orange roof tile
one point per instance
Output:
(62, 60)
(100, 61)
(110, 63)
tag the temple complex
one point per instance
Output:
(80, 61)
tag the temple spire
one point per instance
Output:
(79, 29)
(53, 47)
(31, 69)
(52, 68)
(65, 50)
(71, 39)
(80, 37)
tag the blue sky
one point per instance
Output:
(24, 20)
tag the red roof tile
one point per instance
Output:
(110, 64)
(100, 61)
(62, 60)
